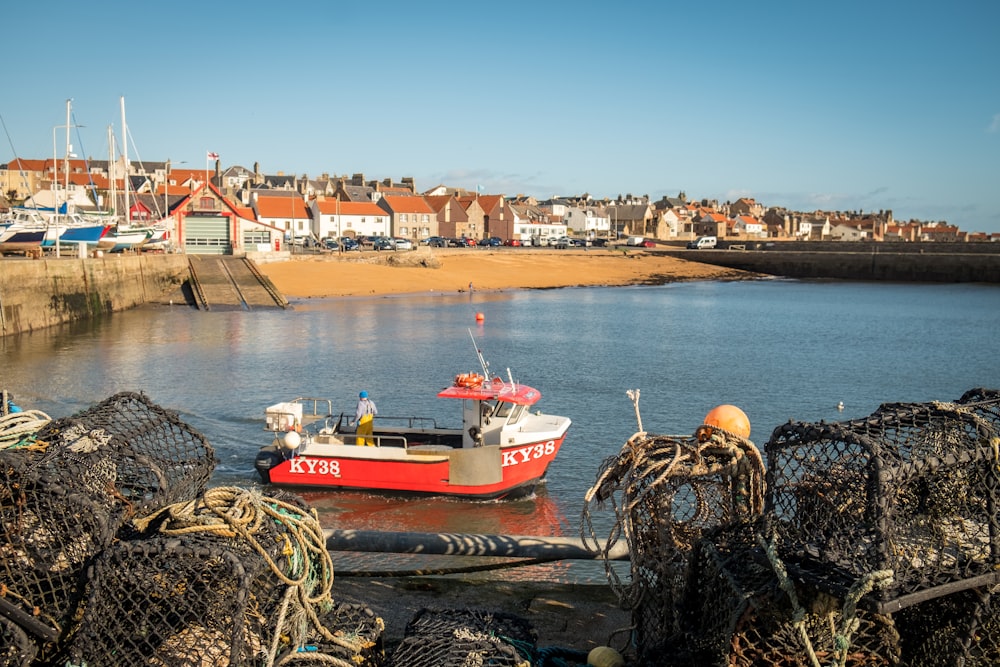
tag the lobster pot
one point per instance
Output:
(58, 510)
(667, 492)
(161, 459)
(911, 490)
(958, 629)
(984, 403)
(740, 612)
(462, 637)
(203, 599)
(16, 648)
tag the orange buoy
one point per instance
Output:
(728, 418)
(479, 317)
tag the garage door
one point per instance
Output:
(206, 235)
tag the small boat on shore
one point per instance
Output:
(501, 449)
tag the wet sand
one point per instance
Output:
(440, 270)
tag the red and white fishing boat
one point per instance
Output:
(501, 450)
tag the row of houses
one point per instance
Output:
(236, 210)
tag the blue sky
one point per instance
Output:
(836, 106)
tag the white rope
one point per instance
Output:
(16, 426)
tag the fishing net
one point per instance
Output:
(911, 490)
(740, 610)
(229, 578)
(16, 648)
(65, 490)
(464, 637)
(666, 492)
(958, 629)
(877, 544)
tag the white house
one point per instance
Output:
(814, 228)
(846, 232)
(587, 220)
(335, 218)
(746, 225)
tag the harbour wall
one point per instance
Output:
(872, 264)
(41, 293)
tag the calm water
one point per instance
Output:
(779, 349)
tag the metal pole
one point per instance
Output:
(456, 544)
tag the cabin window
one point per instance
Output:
(516, 413)
(502, 409)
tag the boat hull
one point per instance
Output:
(488, 472)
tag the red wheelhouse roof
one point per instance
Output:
(519, 394)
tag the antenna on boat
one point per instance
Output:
(479, 353)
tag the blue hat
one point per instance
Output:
(363, 394)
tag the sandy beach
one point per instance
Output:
(428, 270)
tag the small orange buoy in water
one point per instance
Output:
(479, 317)
(728, 418)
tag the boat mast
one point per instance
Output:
(479, 354)
(112, 171)
(125, 160)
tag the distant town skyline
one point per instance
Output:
(840, 107)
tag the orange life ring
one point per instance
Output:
(469, 380)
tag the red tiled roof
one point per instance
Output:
(437, 202)
(281, 207)
(329, 207)
(407, 204)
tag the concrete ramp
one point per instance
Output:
(228, 283)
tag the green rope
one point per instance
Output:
(785, 582)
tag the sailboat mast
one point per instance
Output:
(66, 159)
(111, 161)
(125, 160)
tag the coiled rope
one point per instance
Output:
(18, 429)
(235, 512)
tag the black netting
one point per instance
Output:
(878, 543)
(911, 490)
(666, 492)
(67, 490)
(232, 576)
(463, 637)
(958, 629)
(16, 648)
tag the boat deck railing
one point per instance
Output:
(408, 422)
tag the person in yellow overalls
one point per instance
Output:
(363, 417)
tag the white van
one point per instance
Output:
(703, 243)
(635, 240)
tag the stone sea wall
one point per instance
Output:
(40, 293)
(873, 263)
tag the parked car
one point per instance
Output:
(579, 243)
(514, 243)
(563, 242)
(383, 243)
(403, 244)
(491, 242)
(703, 243)
(598, 242)
(647, 243)
(349, 243)
(456, 243)
(435, 242)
